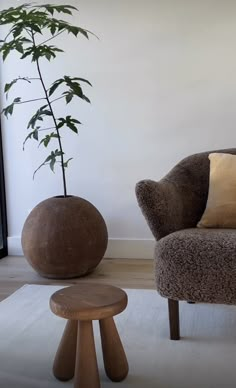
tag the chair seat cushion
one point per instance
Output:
(198, 265)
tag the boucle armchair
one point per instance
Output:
(191, 264)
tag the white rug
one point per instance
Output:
(205, 357)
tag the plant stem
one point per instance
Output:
(35, 99)
(53, 37)
(59, 98)
(46, 129)
(54, 119)
(28, 79)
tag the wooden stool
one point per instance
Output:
(76, 355)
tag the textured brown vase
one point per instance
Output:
(64, 237)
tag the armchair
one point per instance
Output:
(191, 264)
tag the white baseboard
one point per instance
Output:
(117, 248)
(14, 246)
(130, 249)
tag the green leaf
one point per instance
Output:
(49, 9)
(36, 135)
(46, 112)
(67, 11)
(72, 127)
(15, 44)
(74, 87)
(55, 86)
(69, 122)
(56, 49)
(85, 98)
(17, 30)
(44, 51)
(19, 48)
(58, 153)
(6, 52)
(35, 28)
(82, 80)
(33, 134)
(60, 125)
(8, 86)
(51, 159)
(27, 53)
(74, 30)
(62, 122)
(69, 97)
(46, 140)
(62, 25)
(75, 121)
(52, 163)
(70, 7)
(65, 164)
(53, 29)
(48, 158)
(48, 56)
(39, 116)
(83, 32)
(42, 164)
(9, 109)
(43, 107)
(60, 8)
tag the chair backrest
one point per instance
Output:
(179, 199)
(192, 177)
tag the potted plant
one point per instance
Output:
(64, 236)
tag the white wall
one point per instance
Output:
(164, 76)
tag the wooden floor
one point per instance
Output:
(125, 273)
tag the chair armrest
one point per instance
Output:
(168, 206)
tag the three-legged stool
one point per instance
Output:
(76, 355)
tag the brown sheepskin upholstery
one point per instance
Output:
(190, 263)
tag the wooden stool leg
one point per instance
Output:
(115, 361)
(64, 362)
(86, 368)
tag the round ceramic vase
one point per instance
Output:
(64, 237)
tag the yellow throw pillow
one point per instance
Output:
(220, 209)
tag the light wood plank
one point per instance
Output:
(125, 273)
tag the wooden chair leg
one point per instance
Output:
(173, 306)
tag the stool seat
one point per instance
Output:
(88, 302)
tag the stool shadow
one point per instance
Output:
(133, 381)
